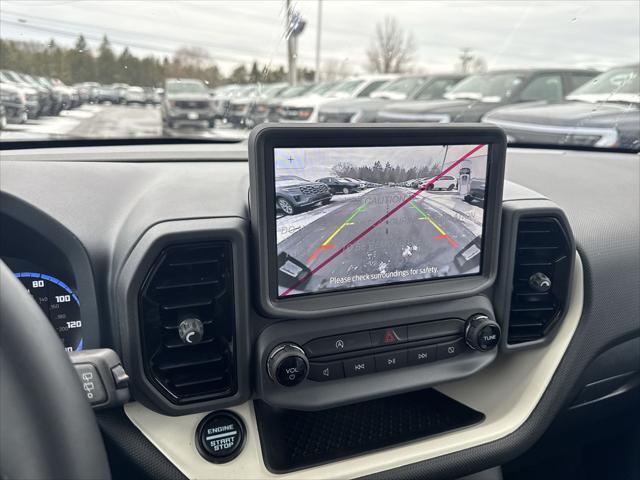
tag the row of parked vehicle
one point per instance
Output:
(24, 96)
(558, 106)
(123, 94)
(294, 193)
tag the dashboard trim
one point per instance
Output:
(129, 282)
(511, 388)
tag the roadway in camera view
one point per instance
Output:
(362, 238)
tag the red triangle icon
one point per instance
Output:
(390, 337)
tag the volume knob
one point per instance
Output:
(287, 365)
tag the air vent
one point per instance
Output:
(542, 250)
(190, 281)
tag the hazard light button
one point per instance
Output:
(389, 336)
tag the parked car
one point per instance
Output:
(31, 95)
(83, 92)
(92, 90)
(61, 98)
(361, 183)
(70, 94)
(223, 97)
(44, 95)
(13, 101)
(476, 95)
(121, 90)
(108, 93)
(240, 107)
(135, 95)
(591, 115)
(88, 91)
(358, 110)
(50, 100)
(340, 185)
(266, 109)
(294, 193)
(153, 96)
(186, 103)
(306, 108)
(446, 182)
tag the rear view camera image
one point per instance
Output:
(354, 217)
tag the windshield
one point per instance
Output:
(85, 68)
(185, 87)
(296, 91)
(402, 86)
(611, 83)
(490, 88)
(346, 88)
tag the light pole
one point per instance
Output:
(316, 76)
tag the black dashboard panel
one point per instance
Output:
(114, 204)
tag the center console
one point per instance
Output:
(381, 277)
(385, 289)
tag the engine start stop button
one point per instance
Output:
(220, 436)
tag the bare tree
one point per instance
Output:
(392, 49)
(333, 69)
(192, 57)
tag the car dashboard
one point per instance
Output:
(120, 244)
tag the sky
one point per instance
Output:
(314, 163)
(505, 33)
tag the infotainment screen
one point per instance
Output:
(352, 217)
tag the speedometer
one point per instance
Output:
(59, 304)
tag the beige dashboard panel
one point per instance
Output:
(506, 392)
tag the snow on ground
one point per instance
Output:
(50, 126)
(469, 215)
(287, 225)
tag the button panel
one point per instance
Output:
(384, 349)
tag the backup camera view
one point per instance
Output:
(362, 216)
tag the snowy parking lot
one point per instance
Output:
(109, 121)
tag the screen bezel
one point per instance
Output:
(262, 142)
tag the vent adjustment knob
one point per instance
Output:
(191, 330)
(539, 282)
(287, 365)
(482, 333)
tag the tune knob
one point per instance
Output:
(482, 333)
(287, 365)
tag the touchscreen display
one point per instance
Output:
(353, 217)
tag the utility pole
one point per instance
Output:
(295, 26)
(316, 76)
(465, 59)
(291, 46)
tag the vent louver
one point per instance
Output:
(188, 281)
(542, 247)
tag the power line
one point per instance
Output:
(117, 34)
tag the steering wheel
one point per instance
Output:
(48, 428)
